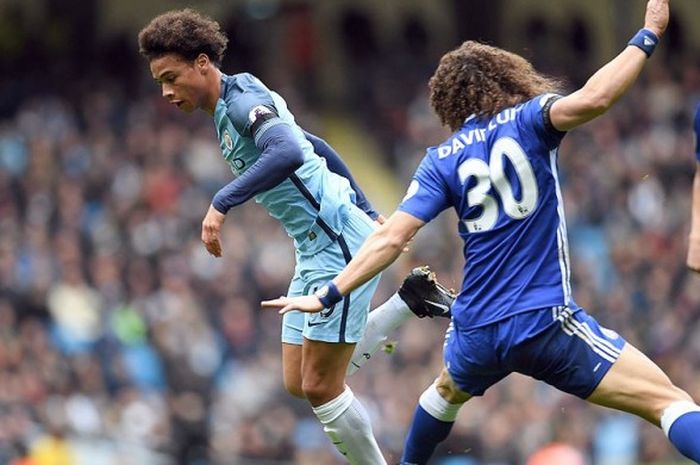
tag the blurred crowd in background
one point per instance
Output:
(123, 342)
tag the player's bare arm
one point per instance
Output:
(693, 259)
(379, 251)
(610, 82)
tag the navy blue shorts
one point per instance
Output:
(565, 348)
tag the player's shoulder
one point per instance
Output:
(537, 103)
(246, 98)
(434, 161)
(243, 85)
(433, 152)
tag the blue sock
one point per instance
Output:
(425, 434)
(685, 435)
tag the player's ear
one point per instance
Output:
(202, 62)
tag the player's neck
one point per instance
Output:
(214, 92)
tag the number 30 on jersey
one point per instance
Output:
(493, 174)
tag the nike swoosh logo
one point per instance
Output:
(444, 307)
(310, 324)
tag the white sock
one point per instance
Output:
(433, 403)
(381, 322)
(346, 423)
(674, 411)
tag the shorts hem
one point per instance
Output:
(604, 372)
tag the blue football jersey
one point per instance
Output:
(313, 203)
(500, 175)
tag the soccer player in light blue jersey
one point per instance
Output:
(305, 185)
(515, 311)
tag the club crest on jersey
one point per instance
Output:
(260, 111)
(228, 142)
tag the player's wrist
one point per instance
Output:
(218, 205)
(646, 40)
(328, 294)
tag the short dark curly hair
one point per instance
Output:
(480, 79)
(184, 32)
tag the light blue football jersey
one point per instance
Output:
(500, 175)
(313, 203)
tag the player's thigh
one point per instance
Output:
(449, 390)
(291, 369)
(293, 322)
(323, 369)
(292, 340)
(635, 384)
(344, 322)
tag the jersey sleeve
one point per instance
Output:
(534, 119)
(252, 110)
(427, 195)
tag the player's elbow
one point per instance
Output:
(389, 241)
(395, 243)
(295, 157)
(596, 102)
(289, 155)
(280, 148)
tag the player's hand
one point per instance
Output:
(656, 18)
(211, 231)
(380, 220)
(304, 303)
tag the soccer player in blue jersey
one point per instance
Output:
(515, 311)
(693, 260)
(304, 184)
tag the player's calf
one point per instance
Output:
(433, 419)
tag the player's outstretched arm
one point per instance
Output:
(610, 82)
(693, 259)
(380, 250)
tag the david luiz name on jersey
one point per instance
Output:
(460, 140)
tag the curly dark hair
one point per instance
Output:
(184, 32)
(479, 79)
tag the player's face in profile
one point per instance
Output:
(181, 82)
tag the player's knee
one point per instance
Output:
(294, 388)
(292, 383)
(448, 390)
(668, 395)
(316, 390)
(664, 395)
